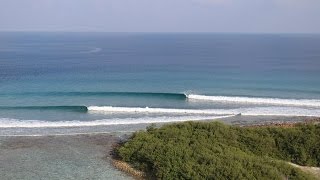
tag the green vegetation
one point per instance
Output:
(212, 150)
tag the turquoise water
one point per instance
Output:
(89, 79)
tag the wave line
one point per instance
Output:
(253, 111)
(112, 94)
(155, 110)
(59, 108)
(16, 123)
(257, 100)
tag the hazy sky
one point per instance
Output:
(270, 16)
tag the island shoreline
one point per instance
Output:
(13, 149)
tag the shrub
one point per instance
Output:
(212, 150)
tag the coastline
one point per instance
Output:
(65, 155)
(240, 120)
(315, 171)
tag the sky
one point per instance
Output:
(240, 16)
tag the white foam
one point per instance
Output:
(253, 100)
(280, 111)
(162, 116)
(16, 123)
(271, 110)
(93, 50)
(157, 110)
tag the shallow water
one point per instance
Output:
(58, 157)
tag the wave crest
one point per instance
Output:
(155, 110)
(257, 100)
(56, 108)
(179, 96)
(253, 111)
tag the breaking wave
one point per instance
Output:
(183, 97)
(16, 123)
(257, 100)
(253, 111)
(183, 115)
(155, 110)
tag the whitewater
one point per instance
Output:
(163, 116)
(142, 115)
(257, 100)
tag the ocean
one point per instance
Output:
(67, 80)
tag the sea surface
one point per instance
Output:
(66, 80)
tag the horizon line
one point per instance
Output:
(154, 32)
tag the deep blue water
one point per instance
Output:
(56, 78)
